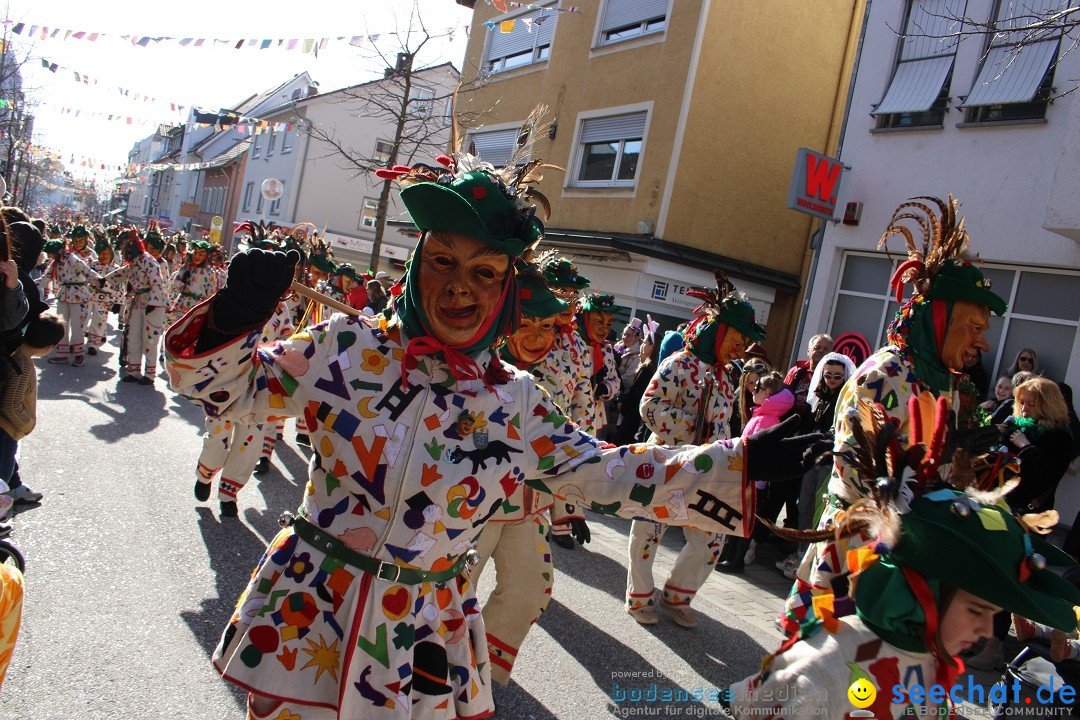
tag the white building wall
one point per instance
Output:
(1011, 180)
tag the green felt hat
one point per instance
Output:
(601, 303)
(949, 537)
(536, 297)
(53, 246)
(322, 262)
(78, 231)
(200, 245)
(476, 205)
(737, 312)
(562, 273)
(347, 270)
(960, 280)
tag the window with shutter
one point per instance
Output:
(520, 39)
(625, 19)
(610, 149)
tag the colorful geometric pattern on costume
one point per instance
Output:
(883, 378)
(398, 479)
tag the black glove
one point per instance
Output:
(256, 281)
(776, 454)
(598, 380)
(580, 530)
(975, 441)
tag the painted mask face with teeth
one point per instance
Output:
(462, 280)
(533, 340)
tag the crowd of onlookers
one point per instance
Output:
(27, 331)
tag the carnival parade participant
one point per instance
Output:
(689, 401)
(194, 282)
(71, 275)
(930, 339)
(368, 579)
(516, 535)
(144, 319)
(594, 325)
(103, 300)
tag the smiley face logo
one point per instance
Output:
(862, 693)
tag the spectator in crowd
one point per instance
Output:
(18, 397)
(772, 400)
(1002, 397)
(829, 377)
(377, 298)
(1038, 433)
(976, 373)
(385, 279)
(673, 341)
(798, 377)
(1026, 361)
(1005, 410)
(627, 351)
(630, 427)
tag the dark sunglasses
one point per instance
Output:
(1023, 358)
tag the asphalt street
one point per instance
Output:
(130, 581)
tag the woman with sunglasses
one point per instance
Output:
(1026, 361)
(829, 377)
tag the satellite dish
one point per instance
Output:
(272, 188)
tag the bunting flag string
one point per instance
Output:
(507, 5)
(303, 45)
(87, 80)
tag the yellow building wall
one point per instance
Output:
(579, 79)
(767, 84)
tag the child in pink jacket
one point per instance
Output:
(771, 402)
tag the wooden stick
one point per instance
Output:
(329, 302)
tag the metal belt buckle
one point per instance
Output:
(397, 571)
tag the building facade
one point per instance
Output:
(678, 124)
(936, 112)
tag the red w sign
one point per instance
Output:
(815, 184)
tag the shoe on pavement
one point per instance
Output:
(59, 360)
(991, 657)
(681, 614)
(228, 508)
(146, 380)
(130, 378)
(91, 350)
(787, 562)
(730, 568)
(22, 495)
(202, 491)
(751, 553)
(79, 361)
(262, 466)
(5, 529)
(645, 615)
(303, 439)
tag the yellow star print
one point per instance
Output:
(323, 658)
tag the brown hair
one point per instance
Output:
(1048, 399)
(759, 368)
(771, 381)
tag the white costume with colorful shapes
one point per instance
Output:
(145, 316)
(101, 304)
(73, 294)
(393, 479)
(883, 378)
(812, 677)
(189, 286)
(671, 408)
